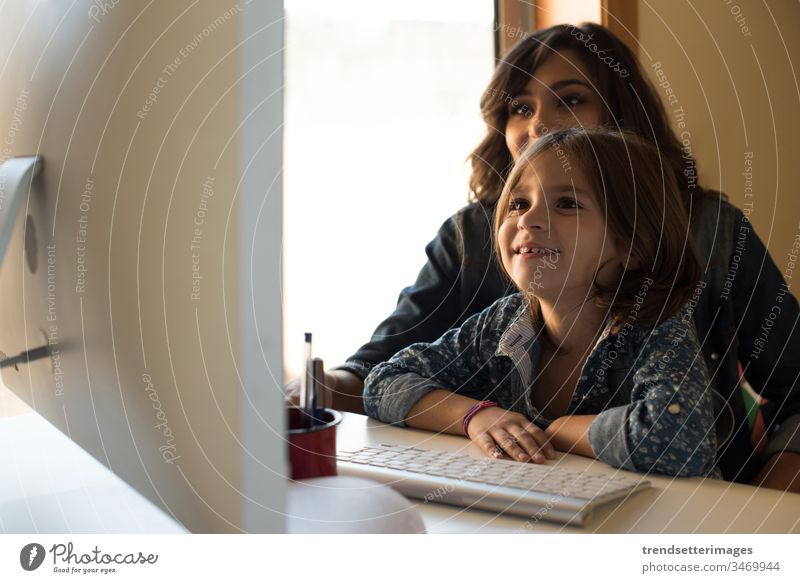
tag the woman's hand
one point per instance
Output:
(781, 472)
(343, 390)
(292, 392)
(498, 430)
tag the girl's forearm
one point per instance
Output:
(571, 434)
(440, 410)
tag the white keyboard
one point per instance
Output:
(534, 491)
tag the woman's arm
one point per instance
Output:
(781, 472)
(768, 332)
(345, 390)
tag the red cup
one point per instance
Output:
(312, 450)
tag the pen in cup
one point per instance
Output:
(306, 383)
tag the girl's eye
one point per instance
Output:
(568, 204)
(517, 205)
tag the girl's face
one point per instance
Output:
(553, 240)
(559, 95)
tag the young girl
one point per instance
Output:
(597, 353)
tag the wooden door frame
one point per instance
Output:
(515, 18)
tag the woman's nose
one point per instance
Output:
(534, 128)
(540, 124)
(546, 120)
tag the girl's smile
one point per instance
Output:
(535, 249)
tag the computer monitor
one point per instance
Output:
(146, 252)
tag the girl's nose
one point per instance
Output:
(536, 218)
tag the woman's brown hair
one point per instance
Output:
(642, 211)
(631, 104)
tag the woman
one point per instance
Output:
(561, 77)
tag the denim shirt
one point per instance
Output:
(662, 422)
(461, 278)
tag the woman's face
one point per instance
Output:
(559, 95)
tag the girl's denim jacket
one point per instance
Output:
(655, 417)
(745, 314)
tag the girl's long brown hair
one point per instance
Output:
(644, 215)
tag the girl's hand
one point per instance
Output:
(498, 430)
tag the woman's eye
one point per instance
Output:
(519, 109)
(568, 204)
(570, 101)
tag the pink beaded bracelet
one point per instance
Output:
(471, 413)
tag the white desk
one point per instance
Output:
(50, 485)
(681, 505)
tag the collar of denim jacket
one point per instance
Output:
(517, 338)
(515, 341)
(519, 331)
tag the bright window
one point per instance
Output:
(381, 113)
